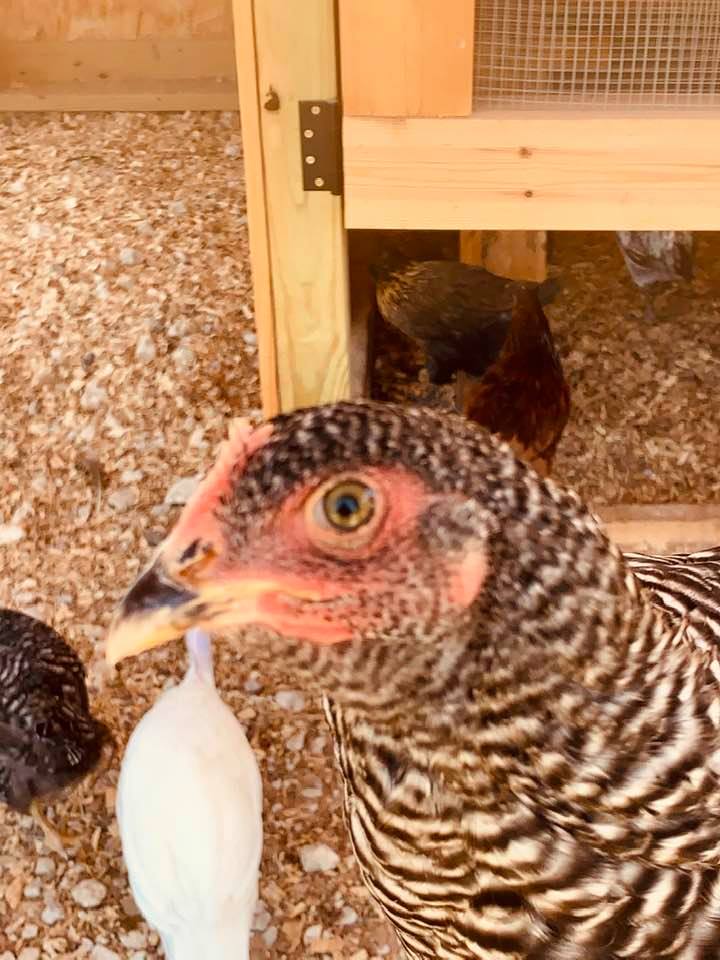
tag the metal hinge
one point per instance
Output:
(320, 145)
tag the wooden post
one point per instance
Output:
(362, 298)
(257, 215)
(519, 254)
(286, 53)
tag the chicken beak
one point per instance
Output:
(158, 608)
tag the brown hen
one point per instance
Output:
(459, 312)
(523, 396)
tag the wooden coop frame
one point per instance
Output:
(117, 55)
(397, 80)
(400, 140)
(361, 115)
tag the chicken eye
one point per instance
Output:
(349, 505)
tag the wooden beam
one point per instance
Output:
(298, 243)
(99, 74)
(362, 247)
(407, 58)
(114, 19)
(519, 254)
(124, 55)
(153, 98)
(535, 170)
(662, 528)
(260, 264)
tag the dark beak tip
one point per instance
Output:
(153, 591)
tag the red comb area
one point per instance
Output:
(197, 520)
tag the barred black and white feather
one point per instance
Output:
(605, 846)
(685, 586)
(48, 737)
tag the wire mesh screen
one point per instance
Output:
(661, 53)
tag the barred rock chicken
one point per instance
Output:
(656, 257)
(48, 737)
(189, 808)
(529, 737)
(523, 396)
(460, 313)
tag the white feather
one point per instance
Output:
(189, 808)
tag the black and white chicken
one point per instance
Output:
(656, 258)
(48, 737)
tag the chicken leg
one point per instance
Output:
(57, 839)
(76, 798)
(54, 838)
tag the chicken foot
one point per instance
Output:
(56, 840)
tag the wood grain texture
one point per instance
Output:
(117, 55)
(249, 96)
(535, 170)
(153, 97)
(308, 275)
(118, 74)
(363, 307)
(406, 58)
(26, 20)
(519, 254)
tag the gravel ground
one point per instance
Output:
(127, 342)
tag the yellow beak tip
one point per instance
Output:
(128, 638)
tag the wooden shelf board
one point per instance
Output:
(535, 170)
(197, 73)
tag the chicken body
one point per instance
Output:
(528, 733)
(523, 396)
(460, 313)
(655, 258)
(48, 737)
(189, 808)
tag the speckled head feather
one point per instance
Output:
(450, 454)
(468, 548)
(487, 556)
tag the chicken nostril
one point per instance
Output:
(195, 558)
(190, 552)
